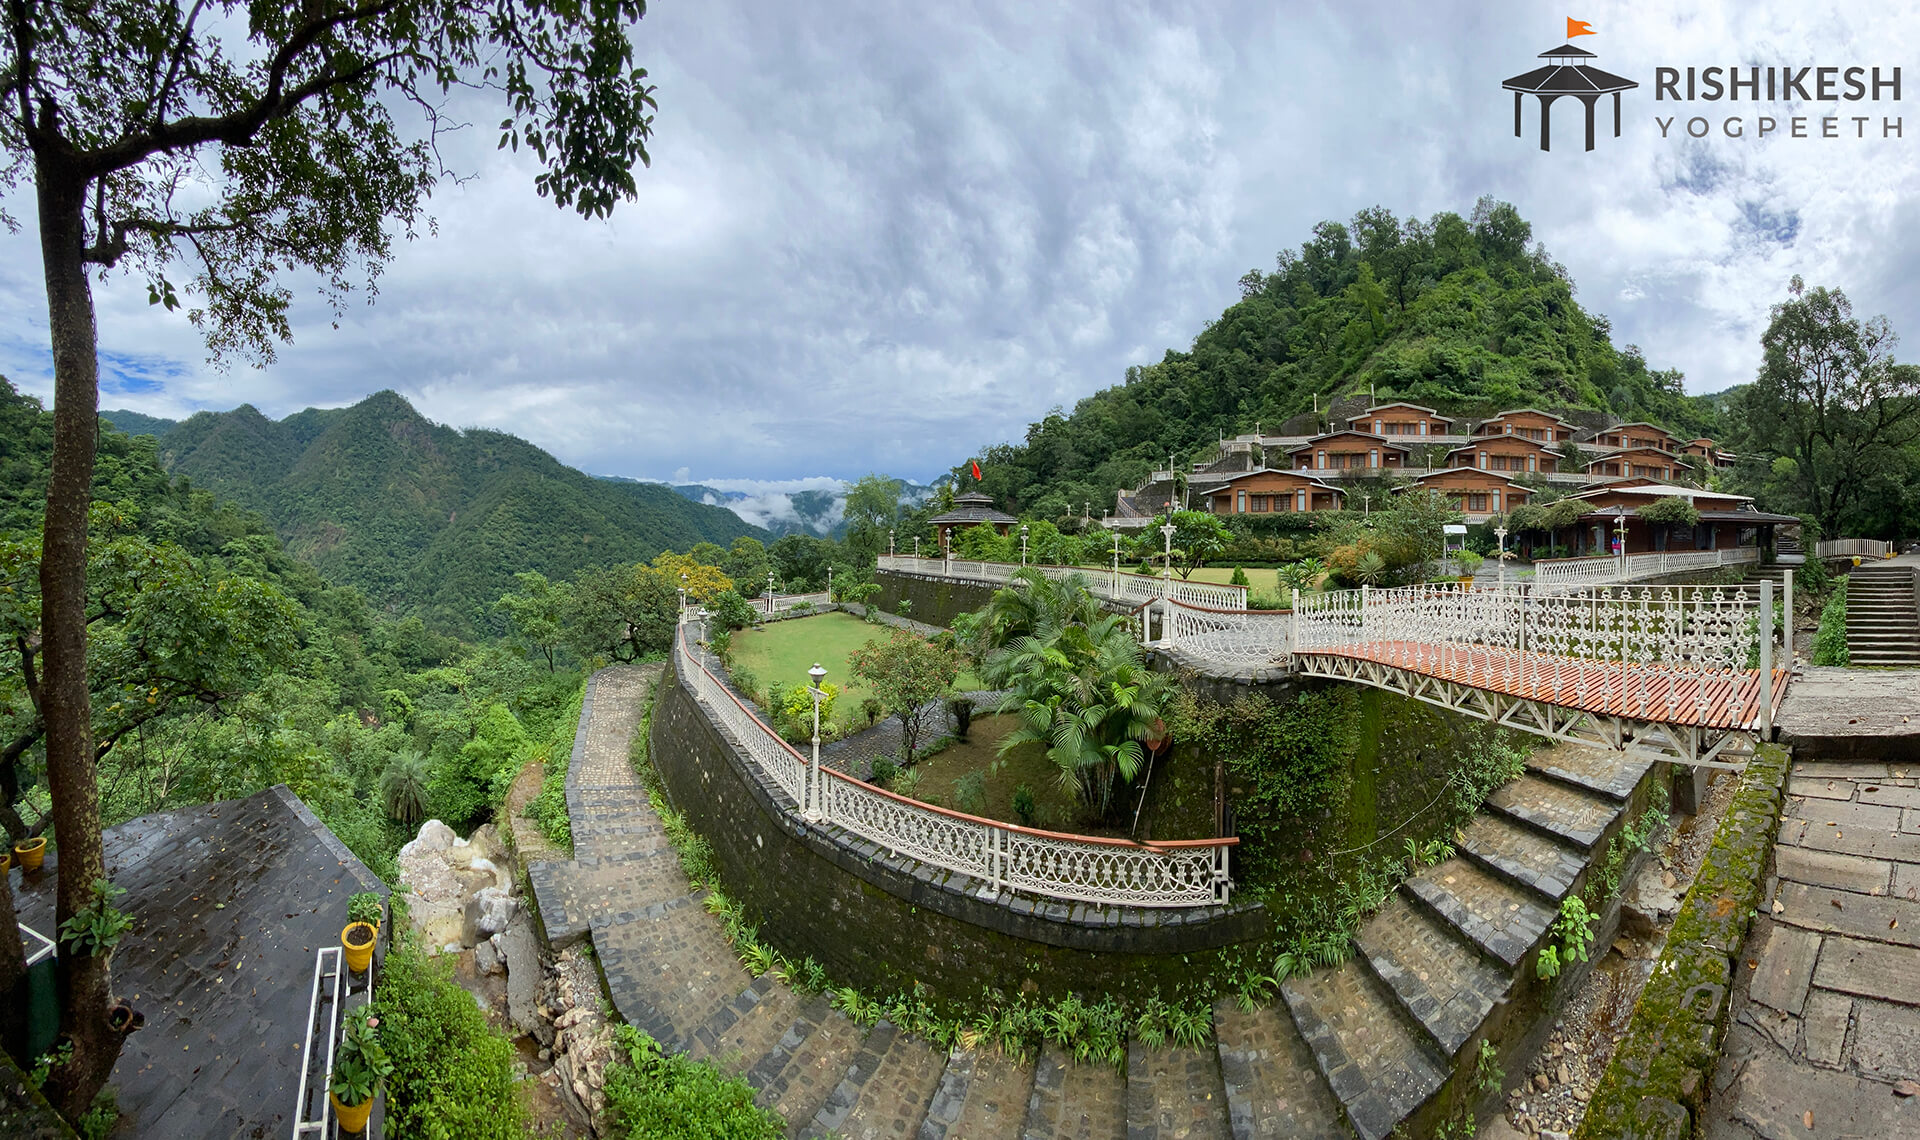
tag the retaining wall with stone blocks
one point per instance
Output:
(1658, 1080)
(936, 601)
(884, 922)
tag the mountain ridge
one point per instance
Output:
(424, 517)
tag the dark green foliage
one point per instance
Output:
(730, 611)
(1285, 760)
(403, 788)
(1830, 640)
(1024, 805)
(655, 1095)
(549, 808)
(452, 1074)
(1239, 577)
(1464, 314)
(1672, 510)
(427, 519)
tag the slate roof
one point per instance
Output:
(973, 508)
(230, 902)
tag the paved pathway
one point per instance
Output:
(1350, 1051)
(1826, 1014)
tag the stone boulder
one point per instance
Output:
(521, 948)
(1650, 904)
(459, 891)
(487, 913)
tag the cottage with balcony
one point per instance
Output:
(1400, 419)
(1476, 492)
(1510, 453)
(1275, 492)
(1528, 423)
(1353, 452)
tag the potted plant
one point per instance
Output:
(364, 906)
(1469, 565)
(358, 939)
(31, 852)
(360, 1068)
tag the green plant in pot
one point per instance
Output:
(360, 1069)
(365, 906)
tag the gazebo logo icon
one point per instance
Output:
(1567, 73)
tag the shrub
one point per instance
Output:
(1239, 577)
(884, 770)
(970, 793)
(452, 1073)
(658, 1096)
(1830, 640)
(730, 611)
(1672, 510)
(1024, 805)
(364, 906)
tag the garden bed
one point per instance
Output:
(781, 654)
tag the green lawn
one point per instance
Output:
(782, 652)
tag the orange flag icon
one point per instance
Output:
(1578, 28)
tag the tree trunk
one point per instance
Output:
(71, 781)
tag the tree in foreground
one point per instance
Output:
(1830, 399)
(232, 143)
(906, 673)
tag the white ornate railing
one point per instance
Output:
(1850, 547)
(1257, 639)
(1080, 868)
(1634, 567)
(1124, 587)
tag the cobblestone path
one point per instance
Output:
(1826, 1012)
(1349, 1051)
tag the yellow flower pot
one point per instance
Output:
(31, 853)
(358, 939)
(352, 1117)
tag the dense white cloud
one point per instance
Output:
(878, 236)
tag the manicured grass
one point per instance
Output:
(782, 652)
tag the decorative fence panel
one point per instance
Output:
(1122, 587)
(1079, 868)
(1853, 547)
(1653, 564)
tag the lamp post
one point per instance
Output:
(1620, 529)
(769, 593)
(1500, 535)
(1114, 588)
(916, 548)
(946, 551)
(1166, 577)
(819, 674)
(829, 582)
(1023, 544)
(889, 544)
(683, 595)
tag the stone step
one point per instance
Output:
(794, 1078)
(1496, 916)
(747, 1028)
(1072, 1101)
(1613, 775)
(1441, 981)
(1555, 809)
(1175, 1092)
(1274, 1091)
(885, 1091)
(983, 1092)
(1521, 855)
(669, 969)
(1375, 1066)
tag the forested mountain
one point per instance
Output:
(425, 518)
(1464, 314)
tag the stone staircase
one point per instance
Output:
(1353, 1051)
(1883, 627)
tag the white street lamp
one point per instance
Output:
(889, 544)
(1113, 588)
(1500, 534)
(814, 798)
(1023, 544)
(769, 593)
(1166, 575)
(916, 548)
(683, 595)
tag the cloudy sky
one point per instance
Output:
(878, 236)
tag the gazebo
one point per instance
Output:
(971, 509)
(1566, 74)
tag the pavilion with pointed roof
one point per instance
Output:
(971, 509)
(1566, 73)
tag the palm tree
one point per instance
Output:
(1032, 604)
(403, 787)
(1082, 690)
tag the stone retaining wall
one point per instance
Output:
(882, 922)
(1662, 1069)
(936, 601)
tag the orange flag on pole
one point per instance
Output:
(1578, 28)
(976, 470)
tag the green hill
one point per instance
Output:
(137, 423)
(1464, 314)
(423, 517)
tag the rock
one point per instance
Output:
(1648, 905)
(545, 1054)
(434, 836)
(486, 914)
(522, 952)
(1541, 1082)
(1561, 1075)
(1582, 1095)
(543, 1032)
(486, 958)
(1553, 1134)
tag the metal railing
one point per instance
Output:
(1851, 547)
(1634, 567)
(1079, 868)
(313, 1114)
(1121, 587)
(780, 603)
